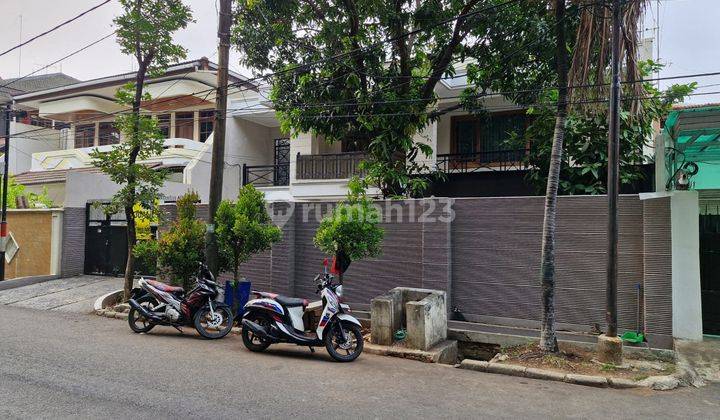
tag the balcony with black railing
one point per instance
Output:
(330, 166)
(267, 175)
(496, 160)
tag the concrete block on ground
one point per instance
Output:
(444, 352)
(426, 320)
(423, 312)
(384, 320)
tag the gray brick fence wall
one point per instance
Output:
(487, 258)
(72, 262)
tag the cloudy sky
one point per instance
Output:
(689, 41)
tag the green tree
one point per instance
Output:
(379, 93)
(145, 31)
(146, 256)
(182, 247)
(351, 231)
(532, 66)
(586, 139)
(243, 228)
(34, 200)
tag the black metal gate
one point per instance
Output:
(105, 242)
(710, 272)
(282, 161)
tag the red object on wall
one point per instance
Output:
(334, 269)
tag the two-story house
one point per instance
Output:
(471, 149)
(52, 139)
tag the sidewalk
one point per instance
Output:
(704, 357)
(73, 294)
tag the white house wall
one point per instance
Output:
(21, 148)
(82, 187)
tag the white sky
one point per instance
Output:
(689, 39)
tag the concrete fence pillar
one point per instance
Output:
(685, 232)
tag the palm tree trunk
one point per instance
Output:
(548, 338)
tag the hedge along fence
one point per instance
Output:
(485, 253)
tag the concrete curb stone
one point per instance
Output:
(622, 383)
(588, 380)
(512, 370)
(549, 375)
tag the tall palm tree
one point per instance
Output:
(589, 66)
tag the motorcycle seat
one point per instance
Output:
(165, 287)
(291, 302)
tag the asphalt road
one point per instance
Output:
(60, 365)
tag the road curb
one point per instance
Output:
(101, 302)
(549, 375)
(26, 281)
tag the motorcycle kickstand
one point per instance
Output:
(312, 350)
(179, 329)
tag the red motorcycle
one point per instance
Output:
(155, 303)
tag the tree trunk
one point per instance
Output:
(130, 263)
(548, 338)
(129, 211)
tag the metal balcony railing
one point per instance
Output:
(267, 175)
(497, 160)
(329, 166)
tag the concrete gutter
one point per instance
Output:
(26, 281)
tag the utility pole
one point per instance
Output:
(3, 218)
(610, 346)
(218, 147)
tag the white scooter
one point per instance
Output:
(274, 318)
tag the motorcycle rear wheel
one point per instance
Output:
(203, 322)
(251, 341)
(137, 322)
(344, 351)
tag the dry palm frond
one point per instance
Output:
(591, 58)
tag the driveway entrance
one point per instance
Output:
(72, 294)
(710, 272)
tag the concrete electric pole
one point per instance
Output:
(609, 345)
(218, 147)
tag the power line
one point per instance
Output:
(58, 60)
(55, 28)
(496, 108)
(336, 56)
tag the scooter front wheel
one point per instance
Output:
(341, 349)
